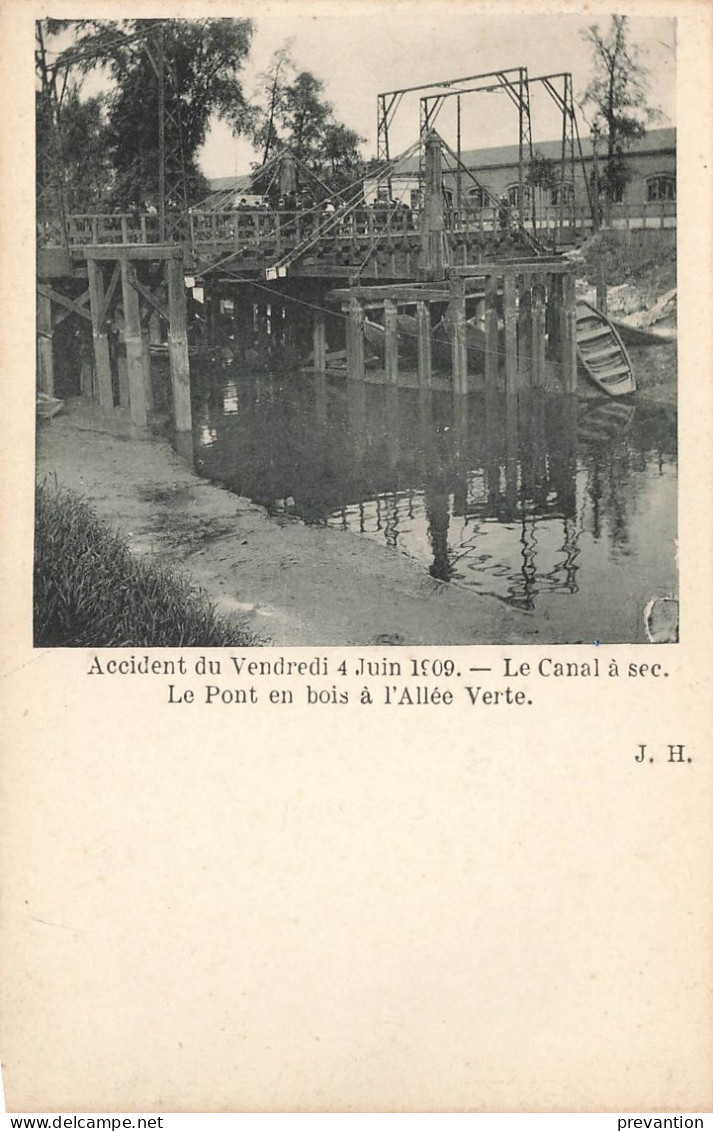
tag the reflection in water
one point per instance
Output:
(565, 510)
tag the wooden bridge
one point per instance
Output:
(270, 273)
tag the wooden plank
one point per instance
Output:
(491, 332)
(459, 344)
(102, 363)
(178, 347)
(391, 342)
(510, 319)
(425, 366)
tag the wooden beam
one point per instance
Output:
(402, 293)
(102, 364)
(110, 292)
(178, 346)
(524, 334)
(69, 304)
(83, 300)
(138, 251)
(150, 298)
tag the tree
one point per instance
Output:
(618, 93)
(291, 111)
(73, 171)
(196, 65)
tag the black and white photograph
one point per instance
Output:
(340, 344)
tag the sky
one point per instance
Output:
(362, 51)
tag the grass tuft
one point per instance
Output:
(90, 591)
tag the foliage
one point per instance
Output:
(90, 591)
(290, 110)
(201, 69)
(72, 161)
(618, 94)
(542, 172)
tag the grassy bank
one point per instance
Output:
(90, 591)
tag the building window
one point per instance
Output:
(567, 193)
(513, 194)
(662, 187)
(476, 197)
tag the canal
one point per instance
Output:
(560, 508)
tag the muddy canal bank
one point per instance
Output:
(295, 584)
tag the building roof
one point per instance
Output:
(243, 183)
(655, 141)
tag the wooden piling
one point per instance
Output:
(102, 362)
(491, 331)
(510, 320)
(319, 341)
(538, 335)
(552, 314)
(425, 365)
(568, 335)
(178, 346)
(459, 344)
(391, 342)
(524, 335)
(45, 345)
(355, 341)
(136, 344)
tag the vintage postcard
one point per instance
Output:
(357, 610)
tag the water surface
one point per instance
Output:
(562, 509)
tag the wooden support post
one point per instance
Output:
(553, 315)
(568, 336)
(136, 344)
(432, 218)
(319, 340)
(178, 346)
(491, 331)
(355, 341)
(391, 342)
(102, 363)
(510, 319)
(538, 335)
(154, 329)
(45, 345)
(459, 344)
(425, 366)
(524, 334)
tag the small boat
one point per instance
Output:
(601, 352)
